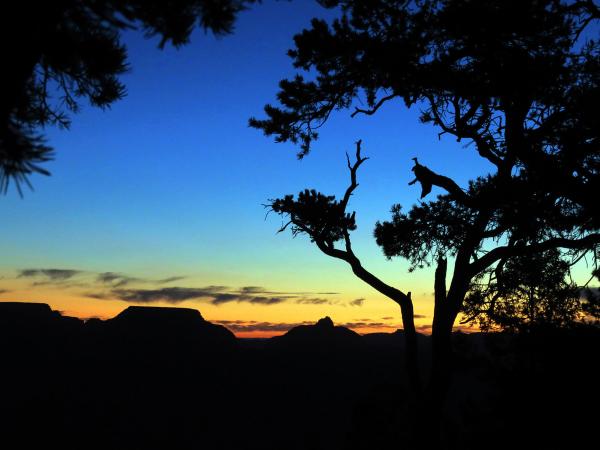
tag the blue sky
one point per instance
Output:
(171, 180)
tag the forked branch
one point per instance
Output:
(353, 169)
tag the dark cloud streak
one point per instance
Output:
(217, 295)
(117, 280)
(119, 286)
(171, 295)
(170, 279)
(313, 301)
(51, 274)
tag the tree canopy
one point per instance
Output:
(516, 81)
(60, 53)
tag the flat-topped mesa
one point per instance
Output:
(22, 310)
(156, 315)
(32, 314)
(167, 324)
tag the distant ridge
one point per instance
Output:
(323, 335)
(177, 323)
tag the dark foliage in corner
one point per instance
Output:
(58, 54)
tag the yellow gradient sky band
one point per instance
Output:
(352, 304)
(170, 183)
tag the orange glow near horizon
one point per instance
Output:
(247, 314)
(242, 328)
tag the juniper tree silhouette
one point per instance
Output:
(525, 293)
(73, 49)
(518, 82)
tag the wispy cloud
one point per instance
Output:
(254, 299)
(263, 300)
(252, 290)
(170, 279)
(263, 290)
(114, 285)
(314, 301)
(367, 324)
(63, 278)
(217, 295)
(49, 274)
(328, 301)
(117, 288)
(168, 294)
(117, 280)
(82, 278)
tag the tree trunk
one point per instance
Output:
(441, 375)
(411, 349)
(428, 430)
(428, 411)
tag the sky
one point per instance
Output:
(159, 199)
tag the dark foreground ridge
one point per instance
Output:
(166, 378)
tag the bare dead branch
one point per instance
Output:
(353, 169)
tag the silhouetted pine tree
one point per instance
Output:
(518, 82)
